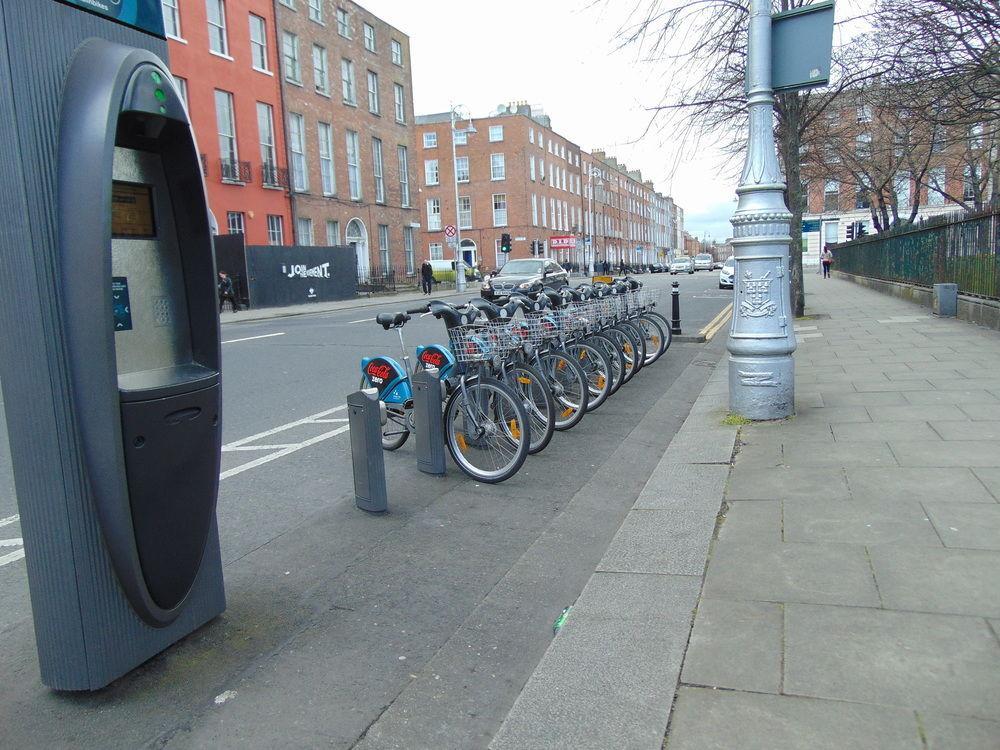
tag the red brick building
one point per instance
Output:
(223, 56)
(516, 175)
(348, 99)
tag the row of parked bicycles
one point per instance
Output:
(514, 374)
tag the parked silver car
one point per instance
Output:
(682, 264)
(727, 273)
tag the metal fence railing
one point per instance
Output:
(962, 250)
(378, 278)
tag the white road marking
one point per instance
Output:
(905, 319)
(806, 328)
(282, 428)
(282, 453)
(809, 336)
(11, 557)
(8, 520)
(233, 449)
(363, 320)
(253, 338)
(12, 542)
(330, 421)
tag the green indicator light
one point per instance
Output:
(160, 96)
(163, 110)
(157, 78)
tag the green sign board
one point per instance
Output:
(801, 45)
(810, 225)
(145, 15)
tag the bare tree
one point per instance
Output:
(705, 41)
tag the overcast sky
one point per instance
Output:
(560, 55)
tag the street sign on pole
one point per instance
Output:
(450, 231)
(452, 241)
(801, 46)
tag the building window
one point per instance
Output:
(400, 99)
(290, 52)
(404, 175)
(343, 23)
(369, 37)
(397, 53)
(496, 133)
(288, 3)
(969, 184)
(235, 223)
(354, 164)
(545, 215)
(935, 186)
(265, 134)
(304, 230)
(976, 140)
(831, 196)
(347, 80)
(320, 75)
(373, 92)
(377, 164)
(531, 135)
(430, 140)
(316, 11)
(217, 41)
(465, 212)
(498, 167)
(861, 199)
(461, 137)
(383, 244)
(499, 209)
(171, 19)
(326, 173)
(258, 43)
(227, 133)
(411, 266)
(531, 168)
(435, 251)
(275, 230)
(431, 173)
(462, 168)
(901, 186)
(433, 214)
(332, 232)
(297, 145)
(541, 169)
(182, 88)
(534, 210)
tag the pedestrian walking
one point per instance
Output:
(426, 277)
(827, 260)
(227, 292)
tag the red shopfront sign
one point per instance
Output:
(564, 242)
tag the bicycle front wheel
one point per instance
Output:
(568, 383)
(529, 384)
(487, 430)
(597, 366)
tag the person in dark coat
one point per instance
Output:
(426, 277)
(226, 291)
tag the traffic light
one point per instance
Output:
(534, 247)
(505, 243)
(850, 231)
(861, 231)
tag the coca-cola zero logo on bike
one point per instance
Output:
(432, 358)
(378, 371)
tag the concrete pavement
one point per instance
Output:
(851, 595)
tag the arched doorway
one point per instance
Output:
(357, 237)
(470, 254)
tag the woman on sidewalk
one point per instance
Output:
(827, 260)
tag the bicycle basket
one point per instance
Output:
(470, 343)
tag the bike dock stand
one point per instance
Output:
(365, 417)
(427, 416)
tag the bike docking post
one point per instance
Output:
(427, 402)
(366, 418)
(675, 308)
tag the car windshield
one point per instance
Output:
(730, 262)
(705, 257)
(518, 267)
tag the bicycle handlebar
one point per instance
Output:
(419, 310)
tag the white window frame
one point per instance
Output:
(373, 103)
(369, 46)
(899, 181)
(461, 138)
(499, 209)
(433, 214)
(327, 173)
(534, 210)
(321, 71)
(265, 136)
(258, 46)
(172, 27)
(304, 231)
(462, 173)
(354, 164)
(531, 135)
(236, 222)
(531, 168)
(343, 23)
(377, 170)
(464, 214)
(430, 139)
(383, 246)
(228, 148)
(348, 83)
(316, 11)
(217, 29)
(496, 133)
(432, 172)
(297, 148)
(399, 98)
(290, 57)
(275, 229)
(435, 251)
(498, 167)
(411, 266)
(396, 52)
(936, 181)
(332, 232)
(403, 159)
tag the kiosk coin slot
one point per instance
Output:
(139, 311)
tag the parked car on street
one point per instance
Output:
(727, 273)
(524, 275)
(682, 264)
(703, 262)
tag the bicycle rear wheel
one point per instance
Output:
(668, 332)
(597, 366)
(537, 400)
(638, 341)
(654, 337)
(396, 429)
(607, 345)
(487, 430)
(568, 383)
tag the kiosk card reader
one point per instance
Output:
(110, 358)
(142, 331)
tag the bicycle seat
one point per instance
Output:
(493, 311)
(555, 299)
(391, 320)
(632, 284)
(450, 314)
(528, 304)
(579, 294)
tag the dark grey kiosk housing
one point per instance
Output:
(110, 353)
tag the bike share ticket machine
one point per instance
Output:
(111, 376)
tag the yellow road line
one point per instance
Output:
(717, 322)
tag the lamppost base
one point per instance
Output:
(762, 388)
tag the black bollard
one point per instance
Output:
(675, 308)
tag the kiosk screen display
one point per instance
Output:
(131, 210)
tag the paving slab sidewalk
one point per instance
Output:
(851, 595)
